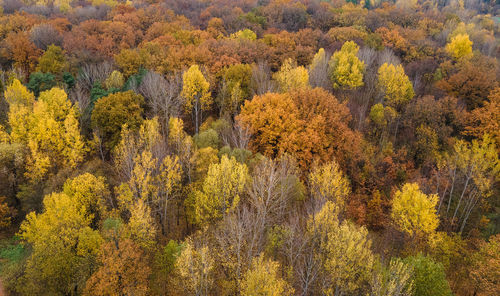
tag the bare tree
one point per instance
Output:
(237, 136)
(274, 185)
(261, 82)
(44, 35)
(92, 73)
(162, 96)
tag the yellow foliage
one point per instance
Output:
(460, 47)
(263, 279)
(115, 80)
(395, 85)
(413, 211)
(327, 182)
(195, 91)
(291, 77)
(346, 70)
(221, 190)
(17, 94)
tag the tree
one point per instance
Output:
(262, 279)
(291, 77)
(63, 228)
(115, 80)
(221, 190)
(346, 70)
(22, 51)
(123, 270)
(235, 88)
(195, 267)
(318, 70)
(115, 110)
(309, 124)
(41, 82)
(428, 277)
(49, 128)
(328, 183)
(465, 178)
(195, 91)
(272, 120)
(395, 85)
(486, 119)
(91, 195)
(486, 268)
(459, 47)
(17, 94)
(413, 211)
(393, 280)
(344, 252)
(141, 226)
(52, 61)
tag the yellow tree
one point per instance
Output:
(48, 127)
(195, 91)
(291, 77)
(52, 61)
(115, 80)
(64, 245)
(414, 212)
(395, 85)
(318, 70)
(344, 252)
(459, 47)
(195, 267)
(221, 190)
(54, 135)
(327, 182)
(263, 279)
(141, 227)
(346, 70)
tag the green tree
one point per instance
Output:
(263, 279)
(41, 82)
(346, 70)
(195, 91)
(428, 277)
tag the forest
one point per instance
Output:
(250, 147)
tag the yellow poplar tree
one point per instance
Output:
(195, 91)
(327, 182)
(346, 70)
(291, 77)
(413, 211)
(195, 267)
(221, 189)
(64, 244)
(459, 47)
(395, 85)
(263, 279)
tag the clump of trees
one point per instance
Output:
(249, 148)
